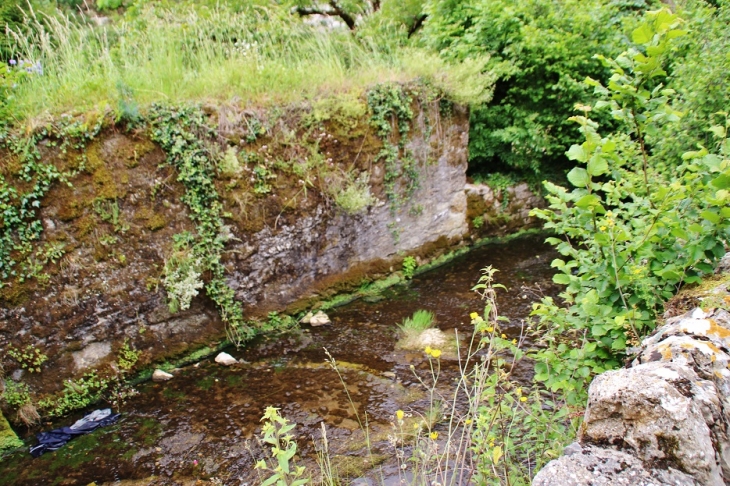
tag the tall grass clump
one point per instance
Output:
(420, 321)
(200, 54)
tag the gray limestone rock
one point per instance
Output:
(660, 412)
(595, 466)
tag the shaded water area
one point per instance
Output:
(201, 426)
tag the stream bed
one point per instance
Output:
(201, 427)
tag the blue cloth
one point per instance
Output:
(57, 438)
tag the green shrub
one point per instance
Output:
(633, 229)
(541, 51)
(11, 17)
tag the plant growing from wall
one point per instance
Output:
(184, 134)
(20, 226)
(390, 104)
(30, 358)
(409, 266)
(630, 231)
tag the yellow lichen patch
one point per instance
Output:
(666, 351)
(156, 222)
(718, 330)
(719, 375)
(688, 346)
(712, 347)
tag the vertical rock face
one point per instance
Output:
(668, 414)
(289, 242)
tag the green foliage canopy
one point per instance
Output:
(541, 50)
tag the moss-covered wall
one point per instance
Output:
(310, 204)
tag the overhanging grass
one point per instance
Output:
(212, 55)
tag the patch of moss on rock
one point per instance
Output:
(8, 439)
(155, 222)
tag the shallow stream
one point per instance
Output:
(201, 426)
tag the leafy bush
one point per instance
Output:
(632, 231)
(697, 71)
(541, 51)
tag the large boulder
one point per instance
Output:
(664, 419)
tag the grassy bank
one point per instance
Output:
(209, 55)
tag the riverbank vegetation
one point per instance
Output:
(621, 104)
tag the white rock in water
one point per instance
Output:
(160, 375)
(225, 359)
(319, 319)
(307, 318)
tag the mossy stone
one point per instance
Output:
(8, 439)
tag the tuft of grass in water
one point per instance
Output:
(189, 54)
(421, 320)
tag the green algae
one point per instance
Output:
(8, 438)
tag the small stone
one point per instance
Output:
(225, 359)
(319, 319)
(307, 318)
(160, 375)
(389, 374)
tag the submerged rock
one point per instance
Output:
(160, 375)
(225, 359)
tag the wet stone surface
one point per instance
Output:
(201, 426)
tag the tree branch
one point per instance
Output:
(346, 17)
(417, 24)
(332, 9)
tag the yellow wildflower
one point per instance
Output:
(523, 399)
(514, 341)
(435, 353)
(467, 422)
(428, 350)
(504, 336)
(602, 228)
(474, 315)
(434, 435)
(490, 329)
(399, 414)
